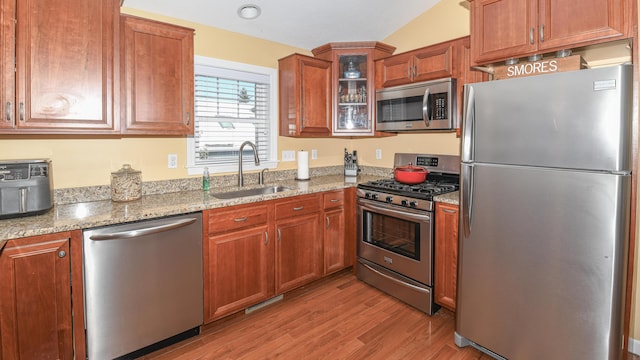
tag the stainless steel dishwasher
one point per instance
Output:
(143, 285)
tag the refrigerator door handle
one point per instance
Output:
(467, 198)
(469, 112)
(426, 111)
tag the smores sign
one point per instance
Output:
(538, 67)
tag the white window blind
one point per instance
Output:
(232, 106)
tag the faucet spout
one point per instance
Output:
(256, 160)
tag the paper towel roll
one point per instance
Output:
(303, 165)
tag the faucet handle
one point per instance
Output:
(261, 176)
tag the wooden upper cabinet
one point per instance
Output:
(502, 29)
(428, 63)
(157, 77)
(7, 64)
(305, 96)
(65, 68)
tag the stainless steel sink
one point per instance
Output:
(251, 192)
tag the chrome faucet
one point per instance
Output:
(255, 159)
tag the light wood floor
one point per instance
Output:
(336, 318)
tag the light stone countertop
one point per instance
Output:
(449, 198)
(91, 214)
(84, 215)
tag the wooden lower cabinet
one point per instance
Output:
(446, 255)
(256, 251)
(298, 242)
(238, 258)
(335, 254)
(37, 318)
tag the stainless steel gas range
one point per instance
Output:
(396, 229)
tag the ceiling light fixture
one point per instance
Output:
(249, 11)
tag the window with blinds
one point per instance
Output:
(232, 106)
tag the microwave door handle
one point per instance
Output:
(426, 110)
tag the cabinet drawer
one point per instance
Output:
(333, 199)
(301, 205)
(236, 218)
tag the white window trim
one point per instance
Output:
(272, 162)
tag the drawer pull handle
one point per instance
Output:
(298, 208)
(240, 219)
(449, 211)
(335, 200)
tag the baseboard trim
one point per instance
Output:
(634, 346)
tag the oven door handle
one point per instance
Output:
(383, 209)
(402, 283)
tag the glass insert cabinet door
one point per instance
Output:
(353, 113)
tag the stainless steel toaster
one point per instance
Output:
(26, 187)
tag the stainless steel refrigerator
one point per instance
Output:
(545, 198)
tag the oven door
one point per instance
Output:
(400, 240)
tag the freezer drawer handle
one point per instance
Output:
(417, 288)
(144, 231)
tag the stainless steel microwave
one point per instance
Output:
(429, 105)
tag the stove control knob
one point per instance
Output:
(367, 195)
(389, 199)
(404, 202)
(413, 204)
(374, 196)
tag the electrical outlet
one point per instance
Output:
(172, 161)
(378, 154)
(314, 154)
(288, 155)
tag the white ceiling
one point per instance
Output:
(298, 23)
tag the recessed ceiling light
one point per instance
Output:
(249, 11)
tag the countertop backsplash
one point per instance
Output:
(103, 192)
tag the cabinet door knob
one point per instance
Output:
(62, 254)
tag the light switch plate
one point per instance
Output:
(378, 154)
(288, 155)
(314, 154)
(172, 161)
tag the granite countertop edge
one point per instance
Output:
(92, 214)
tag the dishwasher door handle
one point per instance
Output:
(144, 231)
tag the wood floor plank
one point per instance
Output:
(338, 318)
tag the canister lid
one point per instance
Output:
(126, 170)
